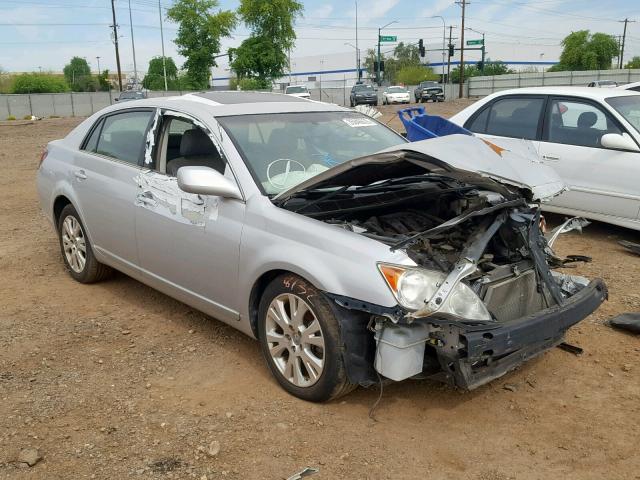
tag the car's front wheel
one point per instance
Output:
(76, 249)
(300, 340)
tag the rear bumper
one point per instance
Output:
(472, 356)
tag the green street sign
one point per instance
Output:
(388, 38)
(474, 42)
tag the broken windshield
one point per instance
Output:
(286, 149)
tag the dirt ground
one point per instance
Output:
(116, 380)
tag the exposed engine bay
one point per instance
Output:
(438, 223)
(482, 297)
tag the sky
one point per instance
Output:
(45, 34)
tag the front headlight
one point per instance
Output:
(414, 287)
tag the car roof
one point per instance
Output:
(223, 103)
(586, 92)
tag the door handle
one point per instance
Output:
(80, 175)
(550, 157)
(147, 198)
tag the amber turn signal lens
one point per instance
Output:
(392, 275)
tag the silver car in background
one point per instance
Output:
(348, 253)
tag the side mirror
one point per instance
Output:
(615, 141)
(206, 181)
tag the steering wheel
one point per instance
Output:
(281, 182)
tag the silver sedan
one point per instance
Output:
(350, 254)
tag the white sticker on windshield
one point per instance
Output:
(358, 122)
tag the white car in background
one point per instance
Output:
(395, 94)
(634, 86)
(590, 136)
(297, 91)
(603, 84)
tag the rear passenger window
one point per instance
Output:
(123, 136)
(515, 117)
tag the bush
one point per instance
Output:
(11, 117)
(249, 84)
(413, 75)
(39, 83)
(27, 117)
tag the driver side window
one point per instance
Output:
(184, 144)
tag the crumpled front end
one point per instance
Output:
(499, 260)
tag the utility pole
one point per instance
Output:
(449, 56)
(98, 59)
(461, 85)
(624, 38)
(133, 47)
(164, 62)
(115, 41)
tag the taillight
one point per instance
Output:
(43, 155)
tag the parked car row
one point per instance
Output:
(349, 253)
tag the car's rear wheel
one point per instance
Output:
(300, 340)
(76, 249)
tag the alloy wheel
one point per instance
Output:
(74, 244)
(295, 340)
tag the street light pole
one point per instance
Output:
(357, 57)
(98, 59)
(357, 47)
(378, 77)
(164, 62)
(133, 47)
(444, 36)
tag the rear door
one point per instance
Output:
(512, 116)
(601, 180)
(104, 174)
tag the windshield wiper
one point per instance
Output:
(456, 221)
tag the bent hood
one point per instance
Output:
(467, 158)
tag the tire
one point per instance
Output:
(351, 103)
(73, 239)
(284, 294)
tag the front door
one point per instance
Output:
(601, 181)
(188, 244)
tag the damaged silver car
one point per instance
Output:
(349, 253)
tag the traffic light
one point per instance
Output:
(375, 65)
(421, 47)
(451, 50)
(480, 65)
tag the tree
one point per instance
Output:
(633, 63)
(78, 74)
(404, 56)
(490, 68)
(264, 54)
(199, 35)
(39, 83)
(584, 51)
(103, 81)
(154, 79)
(413, 75)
